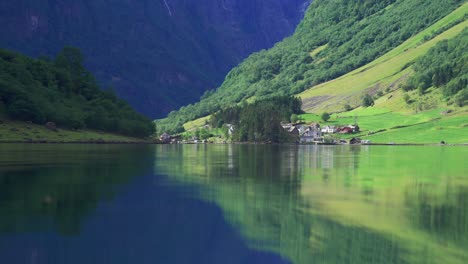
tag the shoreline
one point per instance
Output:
(152, 142)
(320, 144)
(86, 142)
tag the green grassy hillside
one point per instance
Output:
(384, 73)
(334, 39)
(420, 89)
(382, 125)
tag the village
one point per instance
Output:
(311, 133)
(315, 134)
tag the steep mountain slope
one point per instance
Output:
(387, 72)
(335, 38)
(158, 54)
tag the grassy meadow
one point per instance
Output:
(381, 125)
(14, 131)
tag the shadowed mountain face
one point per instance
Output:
(157, 54)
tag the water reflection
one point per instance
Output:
(103, 204)
(55, 187)
(325, 204)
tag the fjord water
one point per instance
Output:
(233, 204)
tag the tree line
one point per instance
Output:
(259, 121)
(64, 92)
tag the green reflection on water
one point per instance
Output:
(335, 204)
(54, 187)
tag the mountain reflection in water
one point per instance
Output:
(335, 204)
(103, 204)
(233, 204)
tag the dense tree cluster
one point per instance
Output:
(445, 67)
(259, 121)
(367, 100)
(334, 38)
(64, 92)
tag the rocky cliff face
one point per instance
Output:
(157, 54)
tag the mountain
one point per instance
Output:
(157, 54)
(331, 60)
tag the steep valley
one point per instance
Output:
(157, 54)
(381, 52)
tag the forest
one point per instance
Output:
(334, 38)
(444, 67)
(62, 91)
(259, 121)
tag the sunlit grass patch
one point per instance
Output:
(318, 50)
(447, 130)
(197, 123)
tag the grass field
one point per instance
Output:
(452, 130)
(12, 131)
(432, 126)
(197, 123)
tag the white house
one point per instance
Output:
(329, 129)
(286, 126)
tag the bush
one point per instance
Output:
(407, 98)
(329, 140)
(347, 107)
(204, 134)
(461, 99)
(325, 116)
(367, 101)
(294, 118)
(408, 87)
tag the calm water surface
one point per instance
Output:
(233, 204)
